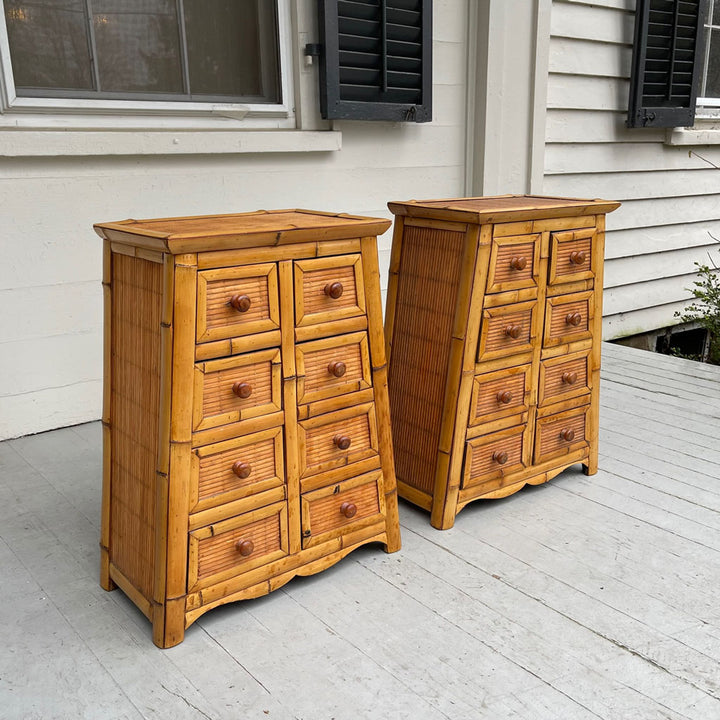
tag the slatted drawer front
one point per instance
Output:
(514, 263)
(230, 547)
(328, 289)
(560, 434)
(236, 388)
(571, 255)
(564, 378)
(237, 301)
(494, 456)
(336, 439)
(507, 330)
(332, 366)
(568, 319)
(236, 468)
(354, 502)
(499, 394)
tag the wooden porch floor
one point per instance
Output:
(582, 598)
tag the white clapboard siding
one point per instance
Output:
(670, 194)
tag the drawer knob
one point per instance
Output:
(569, 377)
(500, 457)
(573, 319)
(567, 434)
(245, 547)
(504, 397)
(518, 263)
(334, 290)
(513, 331)
(241, 303)
(348, 509)
(242, 389)
(342, 442)
(337, 368)
(242, 469)
(577, 257)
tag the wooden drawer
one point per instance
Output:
(514, 263)
(563, 378)
(332, 366)
(341, 508)
(500, 394)
(236, 388)
(328, 289)
(507, 330)
(236, 468)
(571, 255)
(336, 439)
(220, 551)
(237, 301)
(562, 433)
(568, 318)
(494, 456)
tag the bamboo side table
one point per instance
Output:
(493, 330)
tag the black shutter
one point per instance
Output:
(376, 59)
(667, 61)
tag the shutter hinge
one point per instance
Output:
(312, 50)
(647, 117)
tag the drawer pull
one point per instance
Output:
(241, 303)
(513, 331)
(348, 509)
(573, 319)
(500, 457)
(245, 547)
(504, 397)
(337, 368)
(342, 442)
(518, 263)
(577, 257)
(242, 469)
(334, 290)
(242, 389)
(568, 434)
(569, 377)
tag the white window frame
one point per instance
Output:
(124, 114)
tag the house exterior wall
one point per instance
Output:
(55, 188)
(670, 196)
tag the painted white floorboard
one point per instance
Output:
(588, 598)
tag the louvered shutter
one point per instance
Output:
(376, 61)
(667, 60)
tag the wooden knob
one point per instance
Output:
(573, 319)
(577, 257)
(513, 331)
(504, 397)
(334, 290)
(245, 547)
(337, 368)
(241, 303)
(242, 389)
(567, 434)
(518, 263)
(570, 378)
(242, 469)
(348, 509)
(500, 457)
(342, 442)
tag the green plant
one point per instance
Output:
(705, 308)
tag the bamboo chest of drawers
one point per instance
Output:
(493, 329)
(246, 421)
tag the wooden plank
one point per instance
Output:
(586, 58)
(613, 25)
(576, 92)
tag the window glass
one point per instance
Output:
(712, 76)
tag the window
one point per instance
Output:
(667, 61)
(155, 55)
(710, 82)
(376, 59)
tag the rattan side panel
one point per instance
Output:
(430, 267)
(135, 386)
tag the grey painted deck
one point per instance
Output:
(583, 598)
